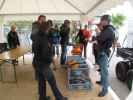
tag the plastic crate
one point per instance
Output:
(85, 84)
(78, 78)
(81, 86)
(77, 58)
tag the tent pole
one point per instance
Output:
(94, 6)
(2, 4)
(72, 5)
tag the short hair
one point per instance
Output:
(13, 26)
(66, 22)
(106, 17)
(50, 22)
(40, 16)
(86, 26)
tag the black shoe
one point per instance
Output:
(103, 93)
(45, 98)
(98, 82)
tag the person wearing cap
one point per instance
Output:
(104, 41)
(64, 34)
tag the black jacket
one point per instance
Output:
(41, 49)
(64, 33)
(13, 39)
(106, 38)
(80, 36)
(35, 29)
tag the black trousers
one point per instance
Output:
(43, 74)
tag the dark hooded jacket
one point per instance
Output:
(41, 49)
(35, 30)
(64, 33)
(106, 38)
(13, 39)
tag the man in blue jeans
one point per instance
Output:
(105, 41)
(42, 60)
(64, 33)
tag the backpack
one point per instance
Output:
(115, 36)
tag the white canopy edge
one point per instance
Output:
(54, 7)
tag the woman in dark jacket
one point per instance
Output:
(12, 38)
(41, 61)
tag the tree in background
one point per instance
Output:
(118, 20)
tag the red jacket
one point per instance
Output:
(87, 34)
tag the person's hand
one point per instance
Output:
(97, 30)
(95, 42)
(86, 39)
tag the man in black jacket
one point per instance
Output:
(42, 60)
(105, 41)
(35, 29)
(12, 38)
(64, 33)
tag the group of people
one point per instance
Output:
(46, 37)
(43, 42)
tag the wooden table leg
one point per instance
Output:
(23, 60)
(1, 76)
(15, 74)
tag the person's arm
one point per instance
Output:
(18, 43)
(106, 35)
(78, 34)
(9, 40)
(35, 29)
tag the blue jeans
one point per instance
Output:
(44, 73)
(103, 63)
(63, 54)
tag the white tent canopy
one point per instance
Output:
(11, 10)
(56, 7)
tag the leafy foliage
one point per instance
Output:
(118, 20)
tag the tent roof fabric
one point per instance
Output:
(56, 7)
